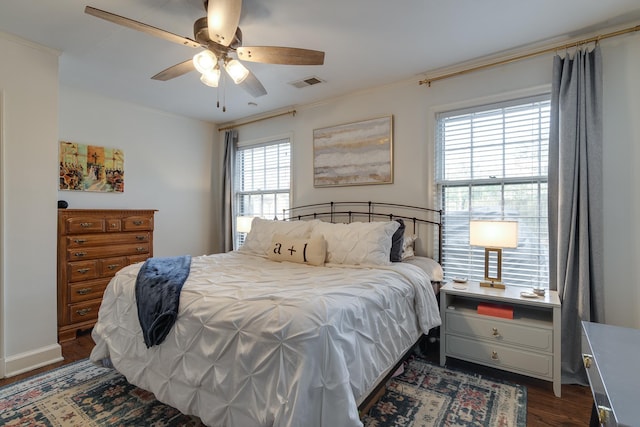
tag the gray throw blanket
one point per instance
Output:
(158, 287)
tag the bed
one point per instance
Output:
(296, 328)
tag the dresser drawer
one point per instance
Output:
(84, 311)
(133, 223)
(598, 390)
(501, 356)
(88, 290)
(107, 251)
(88, 224)
(85, 240)
(500, 331)
(133, 259)
(82, 270)
(109, 266)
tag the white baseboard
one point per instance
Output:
(31, 360)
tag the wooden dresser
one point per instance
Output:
(92, 246)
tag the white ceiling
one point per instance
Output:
(366, 43)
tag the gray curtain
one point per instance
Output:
(230, 141)
(575, 200)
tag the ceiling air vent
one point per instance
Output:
(309, 81)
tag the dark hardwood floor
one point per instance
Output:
(543, 408)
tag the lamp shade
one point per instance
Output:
(236, 71)
(204, 61)
(243, 224)
(493, 234)
(211, 78)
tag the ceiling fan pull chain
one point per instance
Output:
(224, 95)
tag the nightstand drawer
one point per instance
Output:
(498, 330)
(501, 356)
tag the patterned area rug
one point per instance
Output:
(428, 395)
(82, 394)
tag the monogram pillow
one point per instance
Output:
(311, 251)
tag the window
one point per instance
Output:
(492, 163)
(262, 180)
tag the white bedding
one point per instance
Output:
(261, 343)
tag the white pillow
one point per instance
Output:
(258, 241)
(431, 267)
(357, 242)
(304, 251)
(407, 246)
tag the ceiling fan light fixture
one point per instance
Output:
(211, 78)
(205, 61)
(236, 71)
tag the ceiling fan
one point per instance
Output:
(220, 37)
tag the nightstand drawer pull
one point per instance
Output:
(79, 254)
(141, 238)
(494, 332)
(141, 249)
(586, 359)
(80, 241)
(137, 222)
(83, 312)
(86, 224)
(494, 355)
(84, 291)
(112, 266)
(83, 270)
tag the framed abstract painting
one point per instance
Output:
(358, 153)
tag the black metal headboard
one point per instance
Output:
(369, 211)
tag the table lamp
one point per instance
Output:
(494, 236)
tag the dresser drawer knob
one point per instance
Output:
(112, 266)
(586, 359)
(141, 249)
(83, 291)
(80, 241)
(603, 414)
(137, 222)
(83, 270)
(494, 332)
(86, 224)
(141, 238)
(83, 312)
(79, 254)
(494, 355)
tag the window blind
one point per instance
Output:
(491, 163)
(262, 180)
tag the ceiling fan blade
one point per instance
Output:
(280, 55)
(253, 86)
(139, 26)
(223, 17)
(175, 71)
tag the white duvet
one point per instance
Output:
(262, 343)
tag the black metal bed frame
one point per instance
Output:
(372, 211)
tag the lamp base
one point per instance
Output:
(487, 284)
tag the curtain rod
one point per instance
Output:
(292, 112)
(597, 38)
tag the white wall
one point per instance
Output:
(413, 108)
(29, 82)
(168, 166)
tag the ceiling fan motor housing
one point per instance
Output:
(201, 35)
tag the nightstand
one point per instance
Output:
(527, 344)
